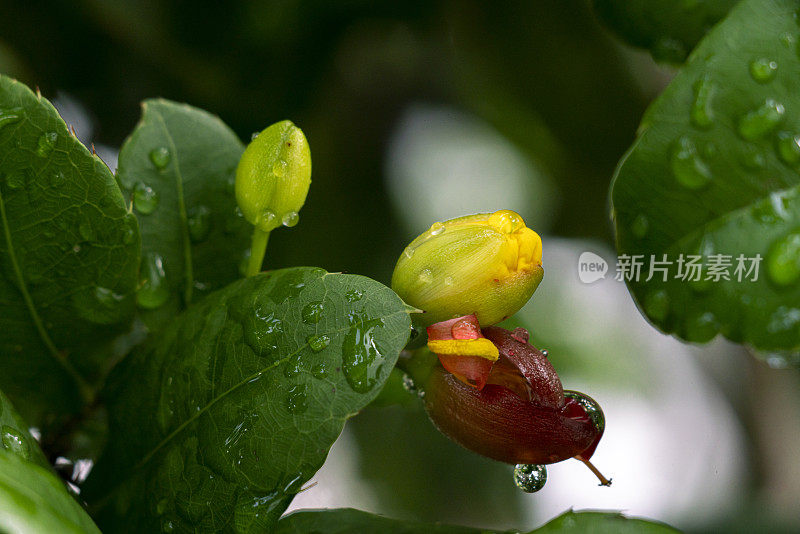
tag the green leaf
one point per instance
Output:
(670, 29)
(179, 168)
(14, 434)
(32, 498)
(346, 520)
(714, 173)
(218, 421)
(69, 251)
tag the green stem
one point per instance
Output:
(258, 249)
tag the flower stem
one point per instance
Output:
(603, 480)
(258, 249)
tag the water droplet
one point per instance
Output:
(436, 228)
(262, 330)
(199, 223)
(783, 260)
(408, 252)
(86, 231)
(160, 157)
(145, 200)
(319, 342)
(254, 136)
(312, 312)
(279, 168)
(656, 304)
(14, 441)
(154, 292)
(687, 166)
(320, 371)
(701, 114)
(530, 478)
(297, 401)
(267, 220)
(107, 297)
(57, 179)
(10, 116)
(448, 280)
(787, 39)
(293, 367)
(789, 148)
(46, 144)
(590, 406)
(702, 327)
(763, 69)
(761, 121)
(425, 276)
(362, 362)
(353, 295)
(290, 218)
(640, 226)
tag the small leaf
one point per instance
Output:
(179, 167)
(68, 256)
(346, 520)
(670, 29)
(32, 498)
(217, 422)
(714, 175)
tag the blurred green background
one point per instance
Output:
(423, 110)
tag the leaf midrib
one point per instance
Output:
(187, 245)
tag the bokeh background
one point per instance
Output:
(423, 110)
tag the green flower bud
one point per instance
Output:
(487, 264)
(273, 177)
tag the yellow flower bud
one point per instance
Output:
(273, 177)
(487, 264)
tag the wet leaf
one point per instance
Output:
(178, 167)
(69, 251)
(714, 174)
(218, 421)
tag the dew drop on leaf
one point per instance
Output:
(145, 199)
(14, 441)
(9, 116)
(46, 144)
(312, 312)
(530, 478)
(701, 113)
(425, 276)
(290, 218)
(783, 260)
(762, 120)
(154, 292)
(688, 167)
(789, 148)
(159, 157)
(267, 220)
(361, 359)
(763, 69)
(640, 226)
(656, 304)
(319, 342)
(297, 401)
(436, 228)
(320, 370)
(199, 223)
(409, 252)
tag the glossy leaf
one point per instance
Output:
(714, 173)
(670, 29)
(14, 435)
(217, 422)
(69, 251)
(346, 520)
(32, 498)
(178, 167)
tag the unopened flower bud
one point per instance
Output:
(273, 177)
(487, 264)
